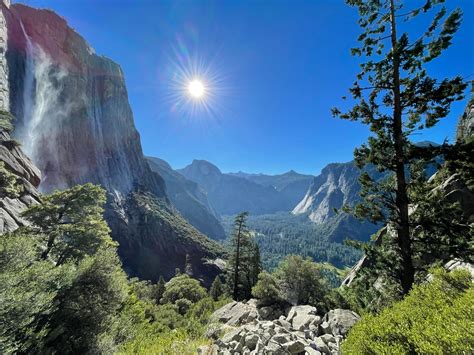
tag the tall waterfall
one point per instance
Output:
(42, 109)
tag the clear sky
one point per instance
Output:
(273, 69)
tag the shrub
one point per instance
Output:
(9, 183)
(266, 290)
(183, 287)
(435, 318)
(301, 281)
(6, 119)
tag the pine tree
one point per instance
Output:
(244, 263)
(216, 290)
(257, 267)
(396, 97)
(188, 267)
(160, 289)
(240, 230)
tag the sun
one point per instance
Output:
(196, 89)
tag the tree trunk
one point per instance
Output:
(237, 262)
(407, 271)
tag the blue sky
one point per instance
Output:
(275, 68)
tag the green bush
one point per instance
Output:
(173, 333)
(301, 281)
(6, 119)
(183, 291)
(435, 318)
(9, 183)
(266, 290)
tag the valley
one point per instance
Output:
(107, 248)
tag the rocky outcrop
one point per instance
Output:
(295, 330)
(261, 197)
(75, 123)
(189, 199)
(27, 179)
(465, 126)
(336, 186)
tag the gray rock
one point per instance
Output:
(233, 335)
(333, 347)
(321, 346)
(214, 329)
(236, 346)
(265, 312)
(28, 177)
(281, 338)
(189, 199)
(324, 328)
(283, 322)
(274, 348)
(465, 127)
(294, 347)
(340, 321)
(235, 313)
(301, 316)
(308, 334)
(328, 338)
(310, 351)
(251, 341)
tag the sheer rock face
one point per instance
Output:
(13, 158)
(336, 186)
(75, 123)
(64, 95)
(465, 127)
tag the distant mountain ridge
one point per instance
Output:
(291, 185)
(256, 193)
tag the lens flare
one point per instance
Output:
(195, 89)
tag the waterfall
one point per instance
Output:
(42, 109)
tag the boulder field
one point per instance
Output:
(246, 328)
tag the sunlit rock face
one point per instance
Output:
(465, 128)
(75, 122)
(336, 186)
(73, 114)
(12, 156)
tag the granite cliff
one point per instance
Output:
(75, 122)
(189, 199)
(465, 128)
(336, 186)
(15, 166)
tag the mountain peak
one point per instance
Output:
(205, 167)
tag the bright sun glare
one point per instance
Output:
(196, 89)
